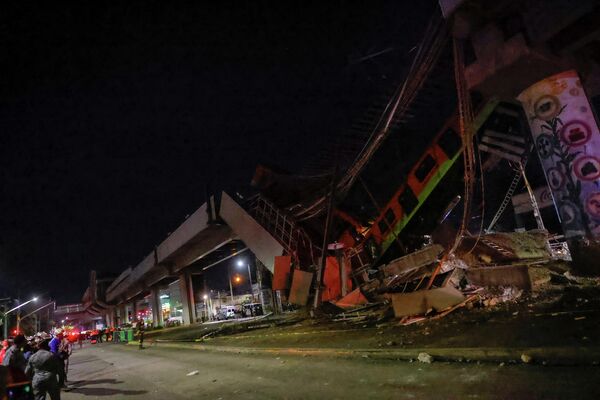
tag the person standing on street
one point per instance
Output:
(14, 357)
(44, 368)
(55, 349)
(65, 351)
(5, 346)
(140, 331)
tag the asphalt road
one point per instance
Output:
(123, 372)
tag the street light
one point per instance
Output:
(33, 312)
(241, 263)
(11, 310)
(207, 307)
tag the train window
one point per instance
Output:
(450, 142)
(425, 168)
(387, 221)
(382, 226)
(408, 200)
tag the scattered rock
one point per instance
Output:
(526, 358)
(425, 358)
(391, 343)
(196, 372)
(501, 364)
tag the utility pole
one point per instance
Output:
(259, 281)
(328, 218)
(250, 281)
(230, 285)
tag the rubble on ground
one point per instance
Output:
(425, 358)
(485, 271)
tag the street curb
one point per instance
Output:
(539, 355)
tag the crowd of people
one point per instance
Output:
(42, 358)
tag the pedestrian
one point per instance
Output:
(80, 339)
(55, 349)
(44, 369)
(5, 346)
(14, 356)
(29, 348)
(140, 331)
(65, 351)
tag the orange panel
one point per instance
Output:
(281, 277)
(300, 287)
(331, 280)
(352, 299)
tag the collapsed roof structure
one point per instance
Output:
(405, 190)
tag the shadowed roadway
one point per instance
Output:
(124, 372)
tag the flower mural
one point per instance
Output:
(567, 140)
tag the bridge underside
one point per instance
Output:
(211, 235)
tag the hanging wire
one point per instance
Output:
(427, 54)
(465, 114)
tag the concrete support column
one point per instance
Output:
(122, 314)
(157, 317)
(134, 311)
(187, 298)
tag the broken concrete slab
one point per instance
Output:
(508, 275)
(413, 261)
(505, 246)
(420, 302)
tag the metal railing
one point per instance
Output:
(69, 308)
(283, 228)
(559, 249)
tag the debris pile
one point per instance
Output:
(428, 284)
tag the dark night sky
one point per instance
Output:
(115, 119)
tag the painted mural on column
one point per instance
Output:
(567, 140)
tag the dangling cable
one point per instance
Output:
(465, 115)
